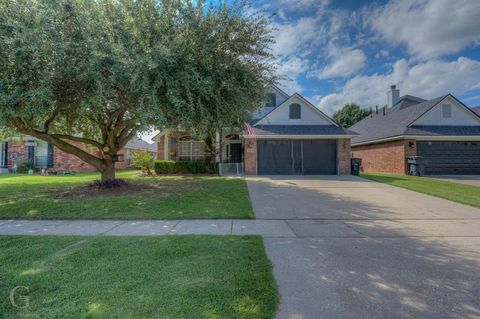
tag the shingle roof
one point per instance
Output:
(301, 130)
(394, 123)
(138, 144)
(476, 109)
(443, 130)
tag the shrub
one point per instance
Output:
(184, 167)
(144, 160)
(24, 166)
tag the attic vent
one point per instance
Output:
(295, 111)
(271, 100)
(446, 111)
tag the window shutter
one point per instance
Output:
(31, 154)
(5, 159)
(50, 156)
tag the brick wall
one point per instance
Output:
(250, 145)
(344, 156)
(61, 161)
(161, 148)
(387, 157)
(16, 150)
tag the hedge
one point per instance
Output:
(184, 167)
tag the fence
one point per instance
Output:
(230, 169)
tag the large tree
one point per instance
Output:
(94, 73)
(350, 114)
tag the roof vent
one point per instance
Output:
(393, 95)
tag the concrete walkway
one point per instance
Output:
(279, 228)
(266, 228)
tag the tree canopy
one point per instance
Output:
(350, 114)
(96, 72)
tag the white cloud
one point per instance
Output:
(429, 28)
(290, 37)
(290, 68)
(428, 80)
(343, 65)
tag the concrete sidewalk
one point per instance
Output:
(267, 228)
(146, 227)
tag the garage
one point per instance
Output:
(297, 157)
(450, 157)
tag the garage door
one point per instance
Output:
(450, 157)
(287, 157)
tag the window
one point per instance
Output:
(295, 111)
(271, 100)
(3, 154)
(41, 154)
(190, 150)
(446, 111)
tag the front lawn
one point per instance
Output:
(465, 194)
(136, 277)
(167, 197)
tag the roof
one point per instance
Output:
(395, 122)
(298, 130)
(476, 109)
(443, 130)
(139, 144)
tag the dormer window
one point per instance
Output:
(295, 111)
(447, 111)
(271, 100)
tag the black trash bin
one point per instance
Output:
(356, 164)
(416, 165)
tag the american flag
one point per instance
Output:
(249, 129)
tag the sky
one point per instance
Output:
(339, 51)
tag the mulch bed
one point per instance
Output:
(164, 189)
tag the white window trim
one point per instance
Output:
(190, 154)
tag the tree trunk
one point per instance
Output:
(108, 171)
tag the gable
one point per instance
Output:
(280, 97)
(460, 115)
(310, 115)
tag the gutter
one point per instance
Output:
(422, 138)
(296, 136)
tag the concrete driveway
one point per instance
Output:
(369, 250)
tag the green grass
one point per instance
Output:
(136, 277)
(176, 197)
(465, 194)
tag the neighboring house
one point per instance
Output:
(139, 145)
(476, 109)
(288, 135)
(44, 155)
(443, 131)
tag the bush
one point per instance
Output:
(144, 160)
(184, 167)
(24, 166)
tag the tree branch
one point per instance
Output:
(59, 143)
(79, 139)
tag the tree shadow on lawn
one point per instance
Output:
(390, 269)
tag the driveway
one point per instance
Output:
(369, 250)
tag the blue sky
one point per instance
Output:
(336, 52)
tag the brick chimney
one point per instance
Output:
(393, 95)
